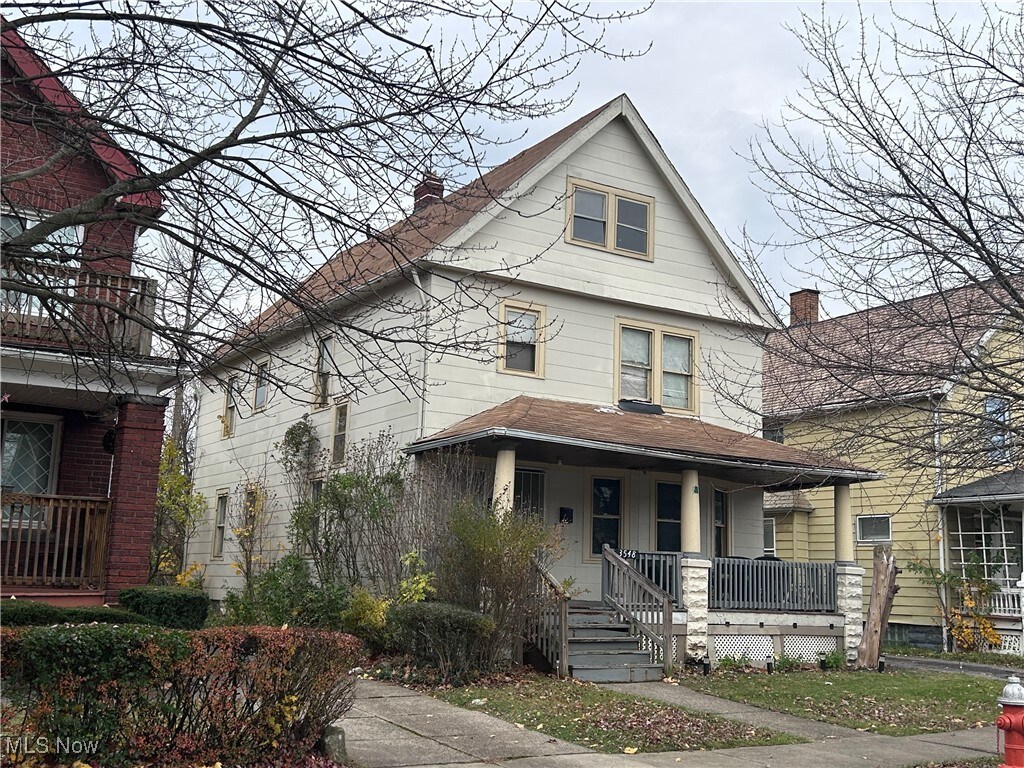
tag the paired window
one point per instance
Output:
(528, 494)
(874, 528)
(605, 514)
(769, 537)
(322, 383)
(655, 364)
(220, 517)
(230, 415)
(340, 432)
(720, 505)
(522, 348)
(259, 399)
(610, 219)
(997, 424)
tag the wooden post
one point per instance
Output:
(883, 590)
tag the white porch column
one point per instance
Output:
(690, 513)
(504, 480)
(694, 585)
(850, 603)
(843, 524)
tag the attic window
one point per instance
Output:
(610, 219)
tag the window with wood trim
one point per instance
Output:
(521, 339)
(259, 399)
(669, 511)
(316, 488)
(656, 364)
(340, 433)
(230, 416)
(220, 517)
(720, 519)
(610, 219)
(605, 514)
(324, 364)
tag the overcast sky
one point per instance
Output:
(715, 72)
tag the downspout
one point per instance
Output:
(421, 415)
(940, 486)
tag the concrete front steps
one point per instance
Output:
(601, 649)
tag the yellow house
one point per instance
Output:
(928, 392)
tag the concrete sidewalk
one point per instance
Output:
(390, 727)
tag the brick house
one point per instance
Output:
(82, 411)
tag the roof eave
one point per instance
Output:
(429, 444)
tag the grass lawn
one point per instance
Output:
(603, 720)
(894, 703)
(1008, 660)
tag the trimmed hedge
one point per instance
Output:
(443, 635)
(172, 607)
(26, 613)
(146, 695)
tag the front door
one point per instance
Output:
(606, 514)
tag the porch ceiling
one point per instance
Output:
(582, 434)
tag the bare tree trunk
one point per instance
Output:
(883, 591)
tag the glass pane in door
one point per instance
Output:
(606, 517)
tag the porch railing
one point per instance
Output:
(106, 310)
(548, 627)
(1006, 604)
(638, 600)
(58, 541)
(663, 568)
(738, 584)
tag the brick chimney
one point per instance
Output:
(803, 306)
(427, 192)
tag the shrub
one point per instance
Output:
(453, 639)
(165, 697)
(487, 566)
(26, 613)
(172, 607)
(287, 594)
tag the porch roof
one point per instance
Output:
(586, 434)
(1005, 488)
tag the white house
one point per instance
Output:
(623, 295)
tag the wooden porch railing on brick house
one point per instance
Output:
(92, 307)
(58, 541)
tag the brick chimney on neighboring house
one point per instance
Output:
(803, 307)
(427, 192)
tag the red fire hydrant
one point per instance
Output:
(1011, 722)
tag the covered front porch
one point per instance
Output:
(81, 452)
(984, 521)
(679, 503)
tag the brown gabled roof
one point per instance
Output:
(609, 427)
(413, 238)
(907, 349)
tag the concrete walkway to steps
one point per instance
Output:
(392, 727)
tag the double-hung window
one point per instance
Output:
(220, 517)
(997, 427)
(522, 348)
(611, 219)
(770, 548)
(230, 408)
(322, 384)
(262, 386)
(340, 433)
(655, 364)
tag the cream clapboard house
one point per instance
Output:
(624, 292)
(920, 390)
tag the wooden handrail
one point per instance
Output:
(548, 627)
(647, 607)
(53, 540)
